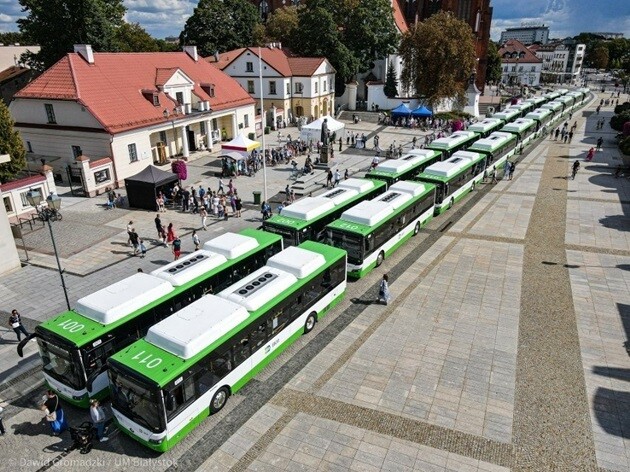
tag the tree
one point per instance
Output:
(319, 23)
(599, 57)
(494, 68)
(438, 57)
(131, 37)
(391, 83)
(11, 144)
(366, 28)
(282, 26)
(56, 25)
(220, 25)
(12, 37)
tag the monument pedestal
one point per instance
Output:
(324, 154)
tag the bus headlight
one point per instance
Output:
(156, 441)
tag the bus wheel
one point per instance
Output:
(310, 322)
(219, 400)
(380, 258)
(416, 228)
(450, 204)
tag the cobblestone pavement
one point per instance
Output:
(502, 349)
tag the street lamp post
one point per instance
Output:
(34, 198)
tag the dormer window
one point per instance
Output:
(209, 89)
(156, 100)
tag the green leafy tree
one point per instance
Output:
(438, 58)
(391, 82)
(56, 25)
(131, 37)
(282, 26)
(164, 46)
(13, 37)
(220, 25)
(493, 66)
(618, 49)
(599, 57)
(319, 23)
(366, 28)
(11, 144)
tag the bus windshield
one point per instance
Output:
(289, 236)
(138, 402)
(352, 243)
(61, 364)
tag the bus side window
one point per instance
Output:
(180, 396)
(258, 337)
(278, 321)
(241, 350)
(220, 364)
(205, 380)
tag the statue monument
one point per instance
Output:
(323, 154)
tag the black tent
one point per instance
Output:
(143, 188)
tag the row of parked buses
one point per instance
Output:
(172, 346)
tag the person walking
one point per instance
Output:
(204, 215)
(512, 167)
(129, 228)
(345, 175)
(383, 290)
(170, 234)
(493, 175)
(239, 205)
(2, 431)
(337, 177)
(576, 167)
(329, 179)
(557, 133)
(220, 189)
(98, 418)
(135, 241)
(15, 320)
(53, 413)
(570, 135)
(143, 249)
(158, 225)
(195, 239)
(177, 248)
(591, 154)
(600, 141)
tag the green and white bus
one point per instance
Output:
(522, 108)
(567, 101)
(562, 91)
(75, 344)
(374, 229)
(306, 219)
(507, 115)
(578, 95)
(541, 116)
(407, 167)
(536, 101)
(458, 141)
(523, 128)
(187, 365)
(486, 126)
(550, 96)
(454, 178)
(497, 148)
(556, 108)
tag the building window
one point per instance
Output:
(288, 89)
(163, 137)
(179, 96)
(324, 86)
(272, 87)
(316, 87)
(7, 204)
(76, 151)
(249, 67)
(101, 176)
(202, 127)
(29, 147)
(50, 113)
(156, 100)
(299, 87)
(533, 68)
(133, 153)
(246, 121)
(250, 86)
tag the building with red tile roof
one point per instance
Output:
(135, 108)
(520, 65)
(299, 86)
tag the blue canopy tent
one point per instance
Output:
(421, 112)
(401, 111)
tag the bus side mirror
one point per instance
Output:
(20, 346)
(93, 375)
(170, 401)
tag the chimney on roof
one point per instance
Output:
(192, 52)
(216, 56)
(85, 51)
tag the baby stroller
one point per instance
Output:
(82, 437)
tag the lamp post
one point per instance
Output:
(262, 123)
(34, 198)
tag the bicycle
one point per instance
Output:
(574, 172)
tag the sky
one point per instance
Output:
(163, 18)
